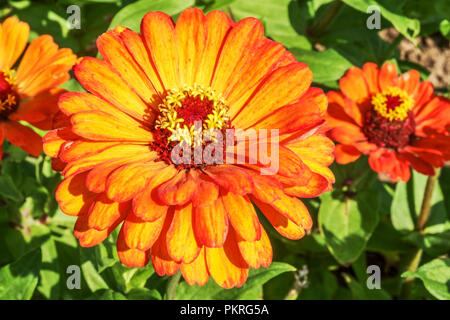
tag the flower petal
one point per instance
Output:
(242, 216)
(182, 244)
(211, 224)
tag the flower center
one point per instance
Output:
(9, 99)
(390, 123)
(393, 104)
(185, 117)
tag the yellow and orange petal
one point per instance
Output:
(114, 145)
(396, 120)
(29, 89)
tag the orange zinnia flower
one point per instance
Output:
(396, 120)
(30, 93)
(116, 147)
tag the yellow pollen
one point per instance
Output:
(169, 118)
(399, 112)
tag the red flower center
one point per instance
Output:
(388, 134)
(185, 116)
(392, 102)
(9, 99)
(194, 109)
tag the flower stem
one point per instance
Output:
(172, 286)
(319, 28)
(420, 226)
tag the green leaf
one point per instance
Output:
(393, 12)
(9, 190)
(131, 15)
(361, 292)
(407, 204)
(253, 284)
(435, 276)
(284, 20)
(326, 65)
(19, 279)
(50, 272)
(347, 224)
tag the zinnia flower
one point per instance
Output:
(117, 145)
(396, 120)
(30, 93)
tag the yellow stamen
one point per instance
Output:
(170, 120)
(400, 112)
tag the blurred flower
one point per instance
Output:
(396, 120)
(29, 93)
(115, 150)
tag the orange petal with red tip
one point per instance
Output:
(217, 25)
(161, 260)
(315, 187)
(388, 76)
(256, 253)
(242, 216)
(140, 234)
(267, 189)
(196, 272)
(127, 181)
(182, 244)
(128, 151)
(23, 137)
(97, 125)
(43, 66)
(191, 39)
(131, 257)
(147, 205)
(289, 83)
(13, 39)
(73, 196)
(293, 209)
(72, 103)
(89, 237)
(98, 77)
(113, 50)
(386, 161)
(346, 153)
(283, 225)
(39, 110)
(158, 31)
(135, 45)
(178, 190)
(240, 40)
(371, 72)
(53, 140)
(77, 149)
(206, 192)
(226, 265)
(409, 81)
(104, 212)
(354, 86)
(265, 58)
(231, 178)
(211, 224)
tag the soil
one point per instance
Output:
(433, 54)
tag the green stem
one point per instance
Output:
(172, 286)
(420, 226)
(319, 28)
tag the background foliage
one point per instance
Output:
(362, 222)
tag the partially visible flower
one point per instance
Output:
(29, 93)
(396, 120)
